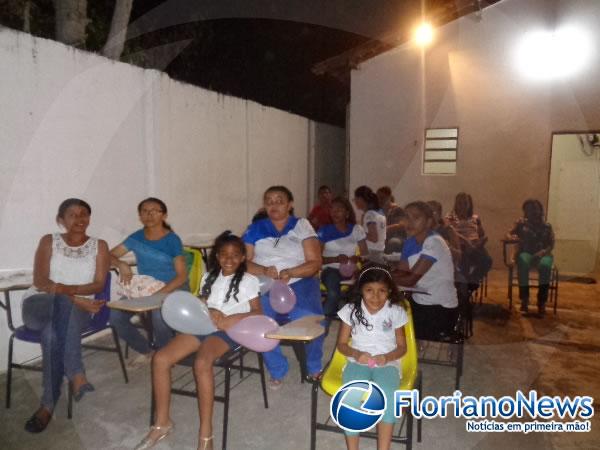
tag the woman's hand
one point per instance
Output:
(217, 317)
(125, 273)
(342, 259)
(363, 357)
(285, 275)
(355, 259)
(380, 360)
(271, 272)
(87, 305)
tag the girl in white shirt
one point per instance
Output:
(376, 325)
(231, 294)
(427, 265)
(373, 221)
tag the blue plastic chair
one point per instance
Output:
(98, 323)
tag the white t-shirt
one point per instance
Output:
(248, 290)
(375, 217)
(438, 281)
(380, 338)
(340, 243)
(280, 249)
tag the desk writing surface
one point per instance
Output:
(138, 304)
(304, 329)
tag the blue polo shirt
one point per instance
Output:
(155, 258)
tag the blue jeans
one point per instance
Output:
(331, 278)
(59, 324)
(121, 320)
(386, 377)
(308, 303)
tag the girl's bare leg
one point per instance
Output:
(352, 442)
(384, 435)
(178, 348)
(212, 349)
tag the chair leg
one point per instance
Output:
(120, 354)
(126, 350)
(459, 364)
(555, 290)
(300, 351)
(9, 370)
(261, 366)
(226, 405)
(419, 421)
(314, 398)
(409, 430)
(69, 401)
(241, 365)
(510, 286)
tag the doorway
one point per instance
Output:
(574, 201)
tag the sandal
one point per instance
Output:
(84, 389)
(275, 385)
(203, 443)
(35, 424)
(150, 441)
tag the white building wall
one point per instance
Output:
(75, 124)
(468, 79)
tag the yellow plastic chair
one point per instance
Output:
(332, 381)
(195, 267)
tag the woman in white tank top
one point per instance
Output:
(68, 270)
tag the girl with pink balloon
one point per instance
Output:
(339, 241)
(285, 248)
(231, 295)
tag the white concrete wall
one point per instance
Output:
(468, 79)
(74, 124)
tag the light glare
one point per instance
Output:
(546, 55)
(424, 34)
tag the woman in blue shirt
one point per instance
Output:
(159, 254)
(285, 247)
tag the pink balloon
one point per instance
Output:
(347, 269)
(281, 297)
(250, 332)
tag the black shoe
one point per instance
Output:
(35, 424)
(524, 306)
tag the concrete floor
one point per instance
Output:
(558, 355)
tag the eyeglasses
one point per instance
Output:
(150, 212)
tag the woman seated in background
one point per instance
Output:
(373, 222)
(159, 253)
(475, 260)
(395, 219)
(536, 241)
(339, 242)
(427, 265)
(68, 270)
(285, 247)
(446, 231)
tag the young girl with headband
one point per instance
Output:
(375, 323)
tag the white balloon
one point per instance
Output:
(187, 314)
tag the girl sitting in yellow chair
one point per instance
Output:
(375, 323)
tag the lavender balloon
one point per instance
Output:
(347, 269)
(281, 297)
(250, 332)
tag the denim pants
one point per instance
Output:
(60, 325)
(121, 320)
(525, 261)
(386, 377)
(331, 278)
(308, 303)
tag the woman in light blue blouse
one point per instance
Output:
(159, 254)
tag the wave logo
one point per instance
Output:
(357, 405)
